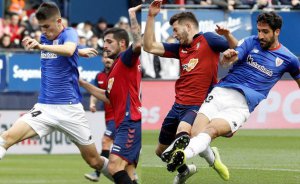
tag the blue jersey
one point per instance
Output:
(59, 84)
(258, 70)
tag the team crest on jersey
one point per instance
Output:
(55, 42)
(110, 84)
(183, 51)
(278, 61)
(190, 65)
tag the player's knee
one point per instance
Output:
(114, 167)
(212, 131)
(8, 139)
(106, 143)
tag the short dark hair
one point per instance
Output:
(118, 34)
(184, 16)
(47, 10)
(270, 18)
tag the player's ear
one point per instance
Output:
(277, 32)
(122, 43)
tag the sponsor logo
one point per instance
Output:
(263, 69)
(48, 55)
(190, 65)
(26, 74)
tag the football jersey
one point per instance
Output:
(198, 66)
(123, 87)
(258, 70)
(59, 80)
(101, 82)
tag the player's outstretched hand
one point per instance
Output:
(154, 8)
(30, 43)
(88, 52)
(229, 57)
(93, 108)
(135, 9)
(81, 82)
(221, 30)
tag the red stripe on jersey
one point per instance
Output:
(101, 81)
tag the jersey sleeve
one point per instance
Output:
(244, 47)
(171, 50)
(294, 68)
(128, 57)
(70, 35)
(217, 43)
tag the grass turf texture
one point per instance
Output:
(253, 157)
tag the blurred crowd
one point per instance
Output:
(20, 22)
(233, 4)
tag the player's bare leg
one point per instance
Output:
(90, 155)
(116, 168)
(18, 132)
(106, 144)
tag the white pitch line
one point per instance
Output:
(236, 168)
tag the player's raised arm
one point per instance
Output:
(93, 90)
(149, 43)
(232, 41)
(135, 29)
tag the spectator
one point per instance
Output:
(16, 7)
(15, 29)
(4, 25)
(226, 4)
(295, 4)
(124, 24)
(82, 42)
(85, 30)
(94, 43)
(5, 42)
(100, 28)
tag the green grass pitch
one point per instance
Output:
(252, 156)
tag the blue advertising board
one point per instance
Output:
(239, 23)
(2, 72)
(25, 75)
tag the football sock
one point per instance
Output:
(2, 149)
(182, 168)
(104, 169)
(104, 153)
(208, 155)
(121, 177)
(181, 134)
(134, 182)
(197, 145)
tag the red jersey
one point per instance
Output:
(101, 82)
(198, 66)
(123, 87)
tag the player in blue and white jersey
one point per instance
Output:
(259, 62)
(58, 106)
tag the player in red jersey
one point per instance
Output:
(123, 93)
(198, 54)
(108, 137)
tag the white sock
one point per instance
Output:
(104, 169)
(208, 155)
(2, 149)
(197, 145)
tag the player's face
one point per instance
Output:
(51, 27)
(180, 33)
(266, 35)
(111, 46)
(107, 61)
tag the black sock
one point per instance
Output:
(121, 177)
(134, 182)
(104, 153)
(181, 134)
(182, 168)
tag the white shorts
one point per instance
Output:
(227, 104)
(69, 119)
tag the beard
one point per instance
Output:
(184, 38)
(265, 45)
